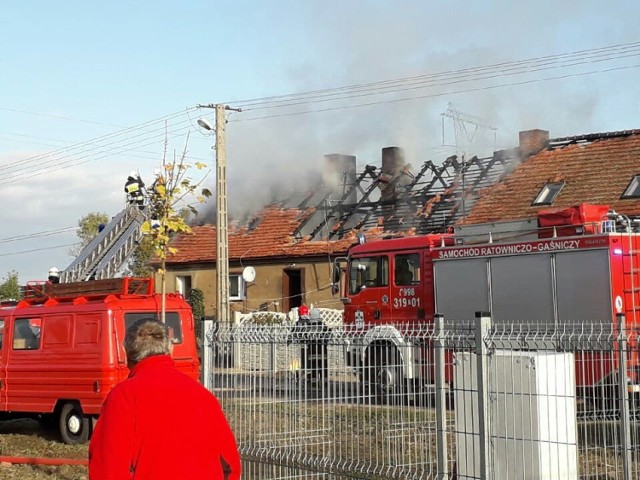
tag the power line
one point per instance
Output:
(471, 73)
(428, 84)
(59, 117)
(37, 250)
(440, 94)
(130, 138)
(75, 161)
(106, 148)
(108, 136)
(150, 155)
(96, 152)
(45, 233)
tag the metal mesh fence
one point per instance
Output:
(443, 401)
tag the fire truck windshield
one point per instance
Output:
(366, 272)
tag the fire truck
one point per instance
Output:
(61, 348)
(575, 267)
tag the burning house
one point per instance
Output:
(291, 243)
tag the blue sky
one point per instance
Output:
(73, 71)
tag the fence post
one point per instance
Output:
(483, 325)
(441, 398)
(625, 422)
(206, 372)
(274, 348)
(236, 347)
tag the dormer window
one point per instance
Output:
(633, 189)
(548, 194)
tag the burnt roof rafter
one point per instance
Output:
(357, 208)
(433, 199)
(339, 205)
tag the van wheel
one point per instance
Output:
(74, 426)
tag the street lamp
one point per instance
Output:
(204, 123)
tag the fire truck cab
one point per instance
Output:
(390, 281)
(61, 348)
(577, 269)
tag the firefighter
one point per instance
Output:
(299, 329)
(317, 339)
(158, 198)
(299, 335)
(312, 335)
(134, 187)
(54, 275)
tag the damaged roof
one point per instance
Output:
(268, 235)
(594, 168)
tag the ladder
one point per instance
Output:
(108, 252)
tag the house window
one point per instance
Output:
(236, 287)
(548, 193)
(183, 285)
(633, 189)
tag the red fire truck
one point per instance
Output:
(569, 272)
(61, 348)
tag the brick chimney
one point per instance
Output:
(392, 164)
(532, 142)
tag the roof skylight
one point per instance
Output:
(548, 193)
(633, 189)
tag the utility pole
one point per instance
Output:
(222, 234)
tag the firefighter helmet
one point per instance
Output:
(303, 311)
(133, 174)
(314, 314)
(54, 272)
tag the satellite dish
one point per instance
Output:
(249, 274)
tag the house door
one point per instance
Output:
(292, 288)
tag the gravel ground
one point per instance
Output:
(26, 438)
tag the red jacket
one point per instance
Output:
(160, 424)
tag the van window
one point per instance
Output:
(172, 320)
(87, 329)
(57, 331)
(26, 334)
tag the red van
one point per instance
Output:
(61, 348)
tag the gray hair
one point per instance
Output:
(145, 338)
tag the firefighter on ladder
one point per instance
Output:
(54, 275)
(134, 187)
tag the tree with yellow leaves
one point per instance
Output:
(171, 194)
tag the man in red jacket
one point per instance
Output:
(159, 423)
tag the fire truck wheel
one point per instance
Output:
(74, 426)
(384, 377)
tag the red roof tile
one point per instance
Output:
(271, 237)
(596, 173)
